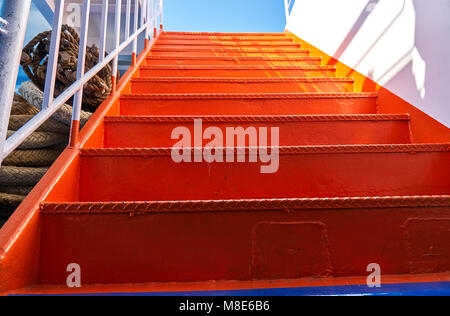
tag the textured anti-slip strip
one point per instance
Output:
(236, 58)
(226, 37)
(257, 119)
(220, 96)
(226, 34)
(245, 80)
(229, 44)
(231, 49)
(245, 205)
(233, 67)
(288, 150)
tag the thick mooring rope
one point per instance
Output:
(24, 168)
(35, 58)
(32, 158)
(35, 97)
(51, 125)
(20, 176)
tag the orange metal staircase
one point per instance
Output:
(356, 185)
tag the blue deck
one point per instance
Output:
(406, 289)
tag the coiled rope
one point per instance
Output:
(24, 168)
(35, 58)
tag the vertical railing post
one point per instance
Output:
(145, 15)
(149, 19)
(115, 67)
(142, 12)
(135, 28)
(103, 28)
(52, 65)
(78, 99)
(161, 8)
(155, 17)
(11, 38)
(127, 20)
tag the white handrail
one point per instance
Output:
(149, 17)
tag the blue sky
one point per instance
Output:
(207, 16)
(224, 15)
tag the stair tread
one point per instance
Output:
(225, 33)
(285, 150)
(222, 79)
(250, 95)
(229, 44)
(237, 58)
(240, 67)
(259, 118)
(246, 204)
(226, 37)
(231, 49)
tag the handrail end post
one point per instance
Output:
(74, 133)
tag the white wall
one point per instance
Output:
(403, 45)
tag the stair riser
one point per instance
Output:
(158, 134)
(142, 106)
(203, 246)
(239, 87)
(228, 54)
(220, 44)
(244, 73)
(159, 178)
(236, 62)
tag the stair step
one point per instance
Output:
(191, 48)
(238, 71)
(249, 104)
(283, 35)
(156, 131)
(243, 61)
(244, 38)
(222, 52)
(240, 85)
(229, 44)
(304, 172)
(235, 239)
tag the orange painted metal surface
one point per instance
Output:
(233, 85)
(294, 130)
(238, 60)
(363, 178)
(237, 71)
(248, 104)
